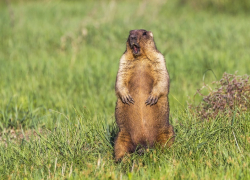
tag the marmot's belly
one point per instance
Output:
(142, 120)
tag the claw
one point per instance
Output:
(131, 100)
(148, 100)
(155, 100)
(127, 99)
(151, 100)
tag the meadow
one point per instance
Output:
(58, 65)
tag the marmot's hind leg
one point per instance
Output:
(166, 137)
(123, 145)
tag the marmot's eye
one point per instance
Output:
(145, 33)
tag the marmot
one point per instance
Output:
(142, 86)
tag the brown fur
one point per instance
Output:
(142, 86)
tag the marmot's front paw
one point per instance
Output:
(126, 99)
(151, 100)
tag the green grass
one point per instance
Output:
(58, 64)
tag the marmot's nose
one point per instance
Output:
(133, 37)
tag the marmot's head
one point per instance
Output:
(140, 42)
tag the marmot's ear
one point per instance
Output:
(150, 33)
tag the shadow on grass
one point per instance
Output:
(113, 131)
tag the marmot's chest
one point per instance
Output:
(141, 79)
(142, 67)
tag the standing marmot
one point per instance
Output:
(142, 86)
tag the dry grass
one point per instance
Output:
(232, 95)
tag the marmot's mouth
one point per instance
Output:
(136, 49)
